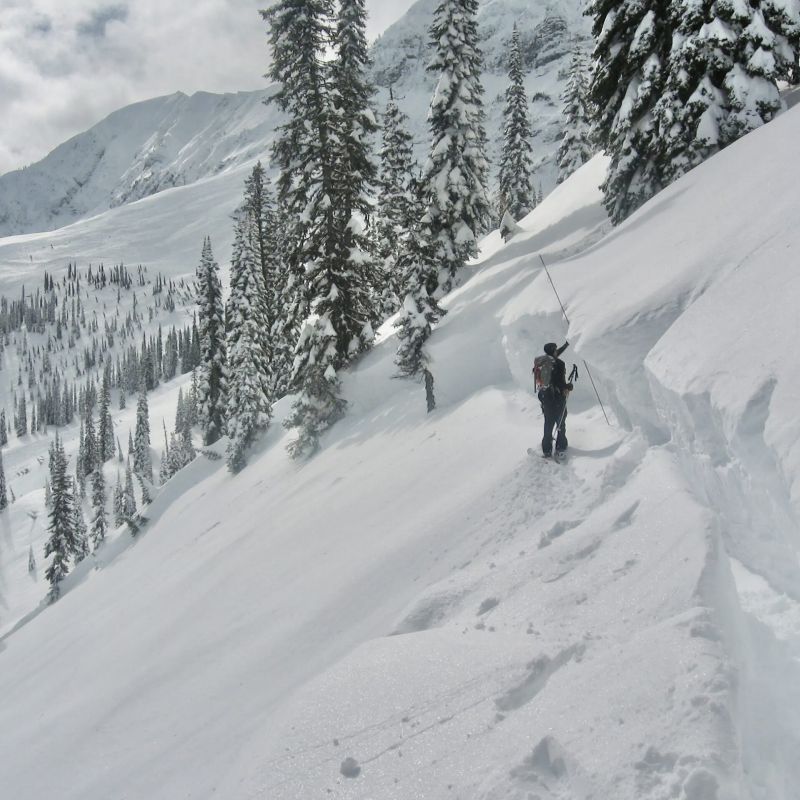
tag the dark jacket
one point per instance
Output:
(558, 377)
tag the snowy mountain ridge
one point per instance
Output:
(135, 152)
(176, 140)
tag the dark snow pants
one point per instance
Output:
(553, 407)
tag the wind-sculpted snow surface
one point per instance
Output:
(425, 611)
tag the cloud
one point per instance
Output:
(99, 18)
(41, 25)
(64, 65)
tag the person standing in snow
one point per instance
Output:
(553, 398)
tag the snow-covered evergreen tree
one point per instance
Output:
(142, 460)
(21, 426)
(146, 363)
(180, 411)
(248, 346)
(3, 491)
(90, 453)
(517, 195)
(323, 188)
(170, 464)
(354, 177)
(212, 385)
(260, 205)
(455, 178)
(397, 207)
(129, 497)
(576, 140)
(300, 37)
(119, 502)
(180, 450)
(764, 57)
(81, 456)
(3, 429)
(318, 404)
(454, 184)
(105, 428)
(633, 39)
(61, 544)
(100, 518)
(81, 532)
(724, 68)
(420, 309)
(782, 19)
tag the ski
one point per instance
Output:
(559, 458)
(531, 452)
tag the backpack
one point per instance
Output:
(543, 371)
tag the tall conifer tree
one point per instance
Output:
(323, 184)
(105, 428)
(300, 33)
(248, 346)
(3, 491)
(575, 148)
(633, 39)
(354, 178)
(100, 518)
(456, 173)
(267, 244)
(398, 211)
(142, 460)
(128, 497)
(517, 194)
(212, 367)
(420, 311)
(62, 543)
(81, 532)
(260, 205)
(119, 502)
(90, 450)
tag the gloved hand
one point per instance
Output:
(570, 387)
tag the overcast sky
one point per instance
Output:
(65, 64)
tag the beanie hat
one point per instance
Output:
(550, 348)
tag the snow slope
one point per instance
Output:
(177, 140)
(425, 611)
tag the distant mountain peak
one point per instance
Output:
(178, 139)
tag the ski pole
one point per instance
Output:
(573, 376)
(597, 394)
(564, 312)
(555, 292)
